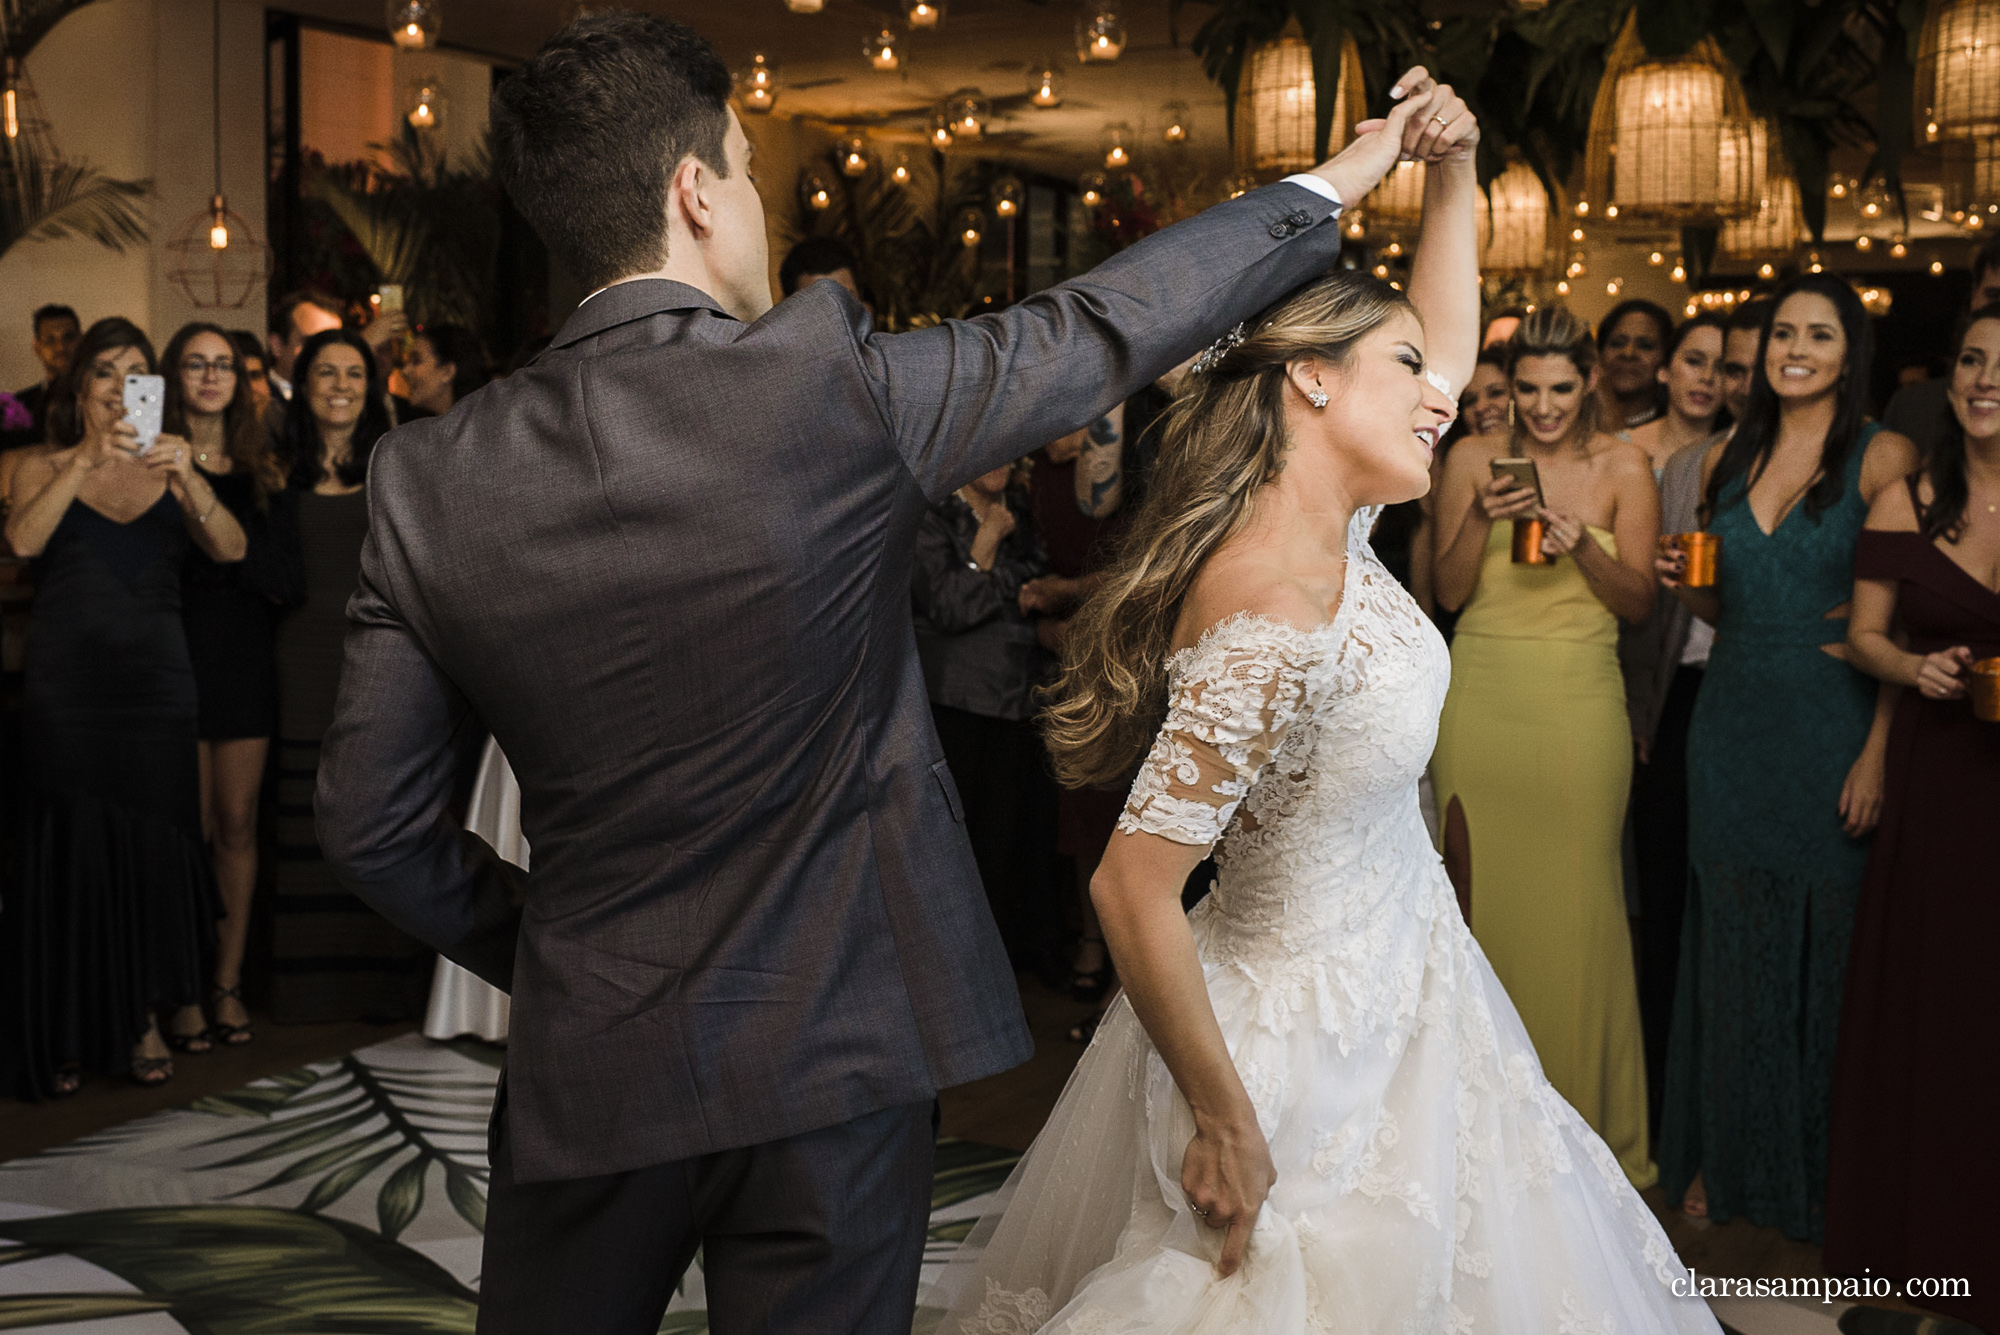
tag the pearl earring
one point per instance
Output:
(1317, 398)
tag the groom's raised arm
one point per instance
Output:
(386, 774)
(966, 396)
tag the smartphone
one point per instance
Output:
(1524, 473)
(389, 298)
(145, 398)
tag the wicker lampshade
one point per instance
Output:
(1514, 225)
(1972, 181)
(1774, 231)
(1399, 200)
(1669, 139)
(1958, 71)
(1275, 102)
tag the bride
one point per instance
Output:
(1314, 1108)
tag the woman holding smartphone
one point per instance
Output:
(111, 919)
(1785, 764)
(1534, 755)
(230, 610)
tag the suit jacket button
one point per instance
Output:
(1299, 219)
(1281, 230)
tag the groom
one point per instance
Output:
(668, 566)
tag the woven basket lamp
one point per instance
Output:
(1399, 200)
(1775, 230)
(1514, 226)
(1669, 139)
(1275, 101)
(1958, 71)
(1972, 182)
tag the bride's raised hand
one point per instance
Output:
(1226, 1174)
(1378, 144)
(1449, 131)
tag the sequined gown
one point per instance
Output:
(1429, 1178)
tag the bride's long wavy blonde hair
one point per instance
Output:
(1222, 439)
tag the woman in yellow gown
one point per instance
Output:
(1534, 752)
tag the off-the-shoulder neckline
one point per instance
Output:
(1209, 639)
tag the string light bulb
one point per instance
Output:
(218, 229)
(1937, 267)
(1680, 270)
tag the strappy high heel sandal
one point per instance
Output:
(152, 1071)
(229, 1035)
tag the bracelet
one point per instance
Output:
(202, 518)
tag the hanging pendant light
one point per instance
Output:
(924, 15)
(1174, 122)
(970, 227)
(1514, 223)
(21, 120)
(1276, 103)
(940, 136)
(414, 24)
(425, 105)
(805, 6)
(1090, 189)
(816, 191)
(1399, 200)
(757, 84)
(1670, 141)
(1116, 143)
(853, 156)
(217, 261)
(1100, 36)
(968, 112)
(899, 170)
(1773, 232)
(884, 51)
(1007, 196)
(1045, 85)
(1958, 71)
(1972, 183)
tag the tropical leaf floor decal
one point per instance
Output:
(343, 1197)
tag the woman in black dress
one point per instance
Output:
(112, 915)
(332, 957)
(229, 610)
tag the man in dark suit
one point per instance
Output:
(668, 565)
(57, 330)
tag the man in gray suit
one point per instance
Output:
(668, 565)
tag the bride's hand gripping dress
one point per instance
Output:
(1428, 1177)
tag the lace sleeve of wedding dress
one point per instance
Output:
(1234, 696)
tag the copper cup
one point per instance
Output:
(1983, 685)
(1700, 551)
(1528, 544)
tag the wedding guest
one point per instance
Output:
(1482, 405)
(296, 317)
(1785, 757)
(815, 258)
(445, 364)
(229, 610)
(1632, 344)
(1918, 1070)
(1535, 847)
(1691, 375)
(976, 549)
(251, 365)
(110, 918)
(1742, 340)
(1662, 659)
(56, 333)
(1076, 495)
(333, 958)
(1922, 410)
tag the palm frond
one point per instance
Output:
(42, 200)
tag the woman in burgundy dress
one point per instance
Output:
(1912, 1177)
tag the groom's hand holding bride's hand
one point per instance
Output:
(1430, 124)
(1226, 1174)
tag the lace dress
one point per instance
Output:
(1429, 1179)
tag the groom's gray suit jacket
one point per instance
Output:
(668, 565)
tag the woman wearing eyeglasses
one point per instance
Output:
(229, 613)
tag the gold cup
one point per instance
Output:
(1983, 685)
(1528, 544)
(1700, 551)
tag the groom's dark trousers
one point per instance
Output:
(668, 565)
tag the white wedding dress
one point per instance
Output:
(1429, 1179)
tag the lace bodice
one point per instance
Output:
(1274, 730)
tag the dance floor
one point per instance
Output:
(348, 1195)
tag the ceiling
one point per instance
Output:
(985, 44)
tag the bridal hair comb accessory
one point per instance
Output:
(1212, 356)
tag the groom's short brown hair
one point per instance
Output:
(587, 134)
